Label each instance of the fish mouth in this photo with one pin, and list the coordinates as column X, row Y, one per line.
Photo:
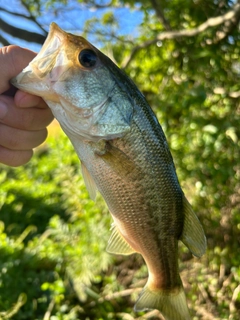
column 49, row 65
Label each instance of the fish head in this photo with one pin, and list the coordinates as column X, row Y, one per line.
column 75, row 80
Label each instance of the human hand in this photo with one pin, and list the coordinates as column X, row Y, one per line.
column 23, row 117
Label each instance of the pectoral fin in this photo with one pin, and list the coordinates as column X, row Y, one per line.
column 193, row 235
column 117, row 244
column 89, row 182
column 118, row 160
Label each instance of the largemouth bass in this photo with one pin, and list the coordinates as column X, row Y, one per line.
column 125, row 156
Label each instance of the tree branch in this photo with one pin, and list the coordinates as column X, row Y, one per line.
column 3, row 40
column 32, row 18
column 232, row 15
column 22, row 34
column 159, row 13
column 14, row 13
column 228, row 26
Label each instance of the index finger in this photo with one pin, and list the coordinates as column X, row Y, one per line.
column 12, row 60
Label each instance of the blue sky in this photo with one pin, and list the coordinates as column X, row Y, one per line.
column 70, row 18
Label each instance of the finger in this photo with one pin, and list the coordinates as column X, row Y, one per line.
column 24, row 119
column 11, row 91
column 16, row 139
column 14, row 158
column 12, row 60
column 26, row 100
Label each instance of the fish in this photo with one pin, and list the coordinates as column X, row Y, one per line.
column 124, row 156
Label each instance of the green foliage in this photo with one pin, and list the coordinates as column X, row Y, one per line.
column 53, row 236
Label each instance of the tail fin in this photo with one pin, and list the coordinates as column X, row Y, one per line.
column 173, row 306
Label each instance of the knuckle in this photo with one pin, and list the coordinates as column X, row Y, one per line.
column 29, row 119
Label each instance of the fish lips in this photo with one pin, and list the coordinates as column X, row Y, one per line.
column 49, row 65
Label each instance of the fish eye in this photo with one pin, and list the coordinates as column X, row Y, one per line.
column 87, row 58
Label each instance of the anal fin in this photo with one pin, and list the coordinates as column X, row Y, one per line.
column 89, row 182
column 193, row 235
column 117, row 244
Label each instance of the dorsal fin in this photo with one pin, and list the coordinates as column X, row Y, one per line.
column 193, row 235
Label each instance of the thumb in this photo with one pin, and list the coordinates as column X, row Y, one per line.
column 12, row 60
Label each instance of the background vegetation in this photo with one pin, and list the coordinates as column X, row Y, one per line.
column 184, row 56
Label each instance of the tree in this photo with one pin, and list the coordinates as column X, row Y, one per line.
column 184, row 56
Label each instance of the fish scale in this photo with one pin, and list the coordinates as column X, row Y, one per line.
column 124, row 156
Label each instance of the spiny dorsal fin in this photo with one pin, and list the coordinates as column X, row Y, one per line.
column 89, row 182
column 193, row 235
column 117, row 244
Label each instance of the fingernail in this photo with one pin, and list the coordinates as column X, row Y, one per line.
column 3, row 109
